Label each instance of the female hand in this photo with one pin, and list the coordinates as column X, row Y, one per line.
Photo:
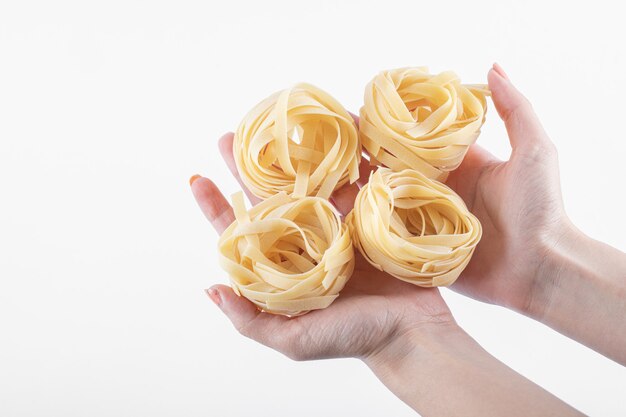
column 531, row 257
column 404, row 333
column 518, row 202
column 371, row 312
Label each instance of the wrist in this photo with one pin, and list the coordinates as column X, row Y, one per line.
column 556, row 251
column 580, row 291
column 410, row 345
column 439, row 369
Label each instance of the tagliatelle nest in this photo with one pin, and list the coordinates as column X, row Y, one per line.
column 414, row 228
column 412, row 119
column 300, row 141
column 287, row 255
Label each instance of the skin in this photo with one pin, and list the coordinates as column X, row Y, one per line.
column 373, row 307
column 407, row 335
column 531, row 258
column 518, row 203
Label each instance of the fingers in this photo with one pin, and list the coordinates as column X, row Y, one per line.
column 225, row 145
column 355, row 117
column 365, row 169
column 344, row 197
column 522, row 124
column 269, row 329
column 212, row 203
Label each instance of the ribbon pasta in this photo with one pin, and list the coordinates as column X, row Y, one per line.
column 414, row 228
column 300, row 141
column 412, row 119
column 287, row 255
column 291, row 253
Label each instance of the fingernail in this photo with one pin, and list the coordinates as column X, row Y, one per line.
column 214, row 295
column 193, row 178
column 498, row 69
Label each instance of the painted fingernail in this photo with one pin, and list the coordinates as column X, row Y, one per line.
column 214, row 295
column 193, row 178
column 498, row 69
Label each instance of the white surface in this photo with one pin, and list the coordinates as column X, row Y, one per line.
column 107, row 109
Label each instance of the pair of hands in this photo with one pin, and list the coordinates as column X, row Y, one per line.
column 517, row 201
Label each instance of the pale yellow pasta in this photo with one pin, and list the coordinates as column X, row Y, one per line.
column 412, row 119
column 300, row 141
column 287, row 255
column 414, row 228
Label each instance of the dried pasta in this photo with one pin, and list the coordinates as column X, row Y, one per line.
column 287, row 255
column 414, row 228
column 412, row 119
column 300, row 141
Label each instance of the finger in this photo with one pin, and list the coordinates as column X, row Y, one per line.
column 355, row 117
column 522, row 124
column 343, row 198
column 212, row 203
column 365, row 169
column 265, row 328
column 498, row 68
column 225, row 145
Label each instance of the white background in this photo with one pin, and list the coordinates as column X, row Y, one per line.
column 107, row 108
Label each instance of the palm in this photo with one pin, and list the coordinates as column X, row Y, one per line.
column 372, row 307
column 516, row 201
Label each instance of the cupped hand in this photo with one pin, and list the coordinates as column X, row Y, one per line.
column 372, row 311
column 518, row 202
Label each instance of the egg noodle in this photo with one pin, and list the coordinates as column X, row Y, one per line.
column 300, row 141
column 287, row 255
column 412, row 119
column 414, row 228
column 291, row 253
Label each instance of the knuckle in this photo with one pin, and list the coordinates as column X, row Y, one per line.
column 540, row 150
column 287, row 340
column 535, row 150
column 551, row 149
column 518, row 110
column 246, row 329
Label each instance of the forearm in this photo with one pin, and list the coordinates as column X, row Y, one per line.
column 443, row 372
column 580, row 291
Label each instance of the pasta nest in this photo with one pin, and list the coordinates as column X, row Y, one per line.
column 286, row 255
column 412, row 119
column 414, row 228
column 300, row 141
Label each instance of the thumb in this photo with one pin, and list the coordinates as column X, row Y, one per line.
column 265, row 328
column 239, row 310
column 526, row 133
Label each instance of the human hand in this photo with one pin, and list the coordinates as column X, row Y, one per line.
column 518, row 202
column 373, row 310
column 404, row 333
